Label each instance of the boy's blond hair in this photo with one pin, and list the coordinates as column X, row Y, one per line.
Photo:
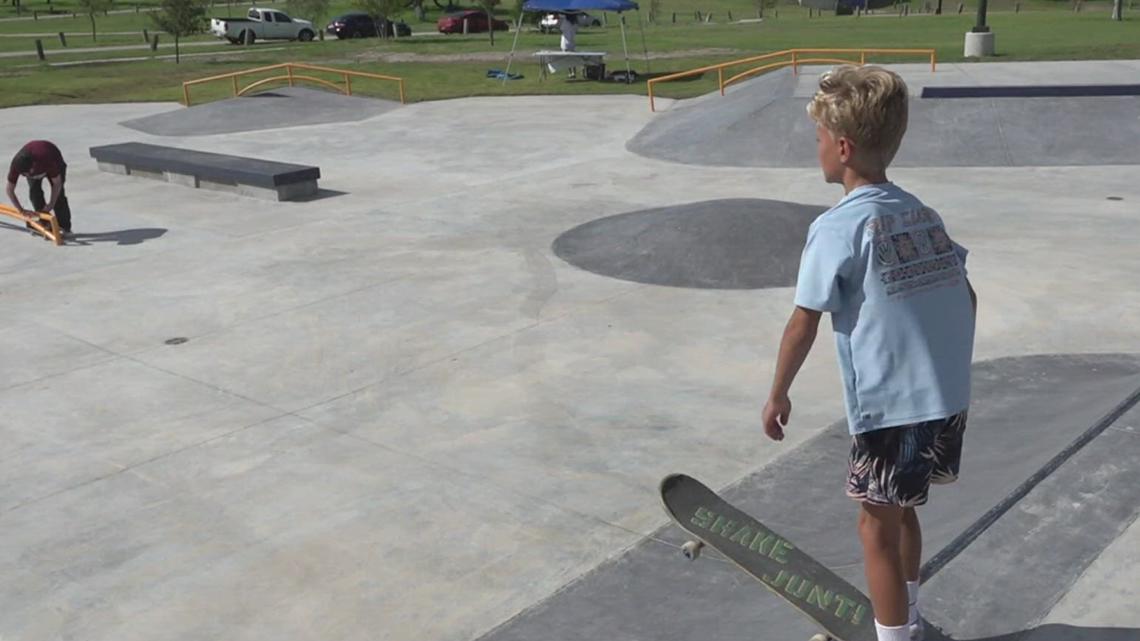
column 867, row 105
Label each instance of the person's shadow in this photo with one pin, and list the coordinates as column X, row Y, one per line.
column 1048, row 632
column 120, row 237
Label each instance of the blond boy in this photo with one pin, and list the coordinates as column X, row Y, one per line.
column 902, row 310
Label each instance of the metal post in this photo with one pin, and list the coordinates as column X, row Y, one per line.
column 289, row 69
column 62, row 39
column 146, row 36
column 235, row 83
column 40, row 49
column 348, row 83
column 510, row 56
column 862, row 57
column 795, row 67
column 625, row 48
column 403, row 98
column 154, row 42
column 465, row 26
column 981, row 27
column 186, row 94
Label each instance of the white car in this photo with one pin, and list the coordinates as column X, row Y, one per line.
column 549, row 22
column 262, row 24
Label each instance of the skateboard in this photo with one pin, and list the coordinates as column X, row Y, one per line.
column 833, row 604
column 46, row 226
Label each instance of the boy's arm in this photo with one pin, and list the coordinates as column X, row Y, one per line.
column 794, row 347
column 56, row 189
column 10, row 191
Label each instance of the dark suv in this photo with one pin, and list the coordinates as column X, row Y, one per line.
column 360, row 25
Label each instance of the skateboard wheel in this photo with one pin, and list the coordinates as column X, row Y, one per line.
column 692, row 549
column 821, row 637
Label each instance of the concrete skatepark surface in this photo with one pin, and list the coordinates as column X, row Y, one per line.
column 276, row 109
column 759, row 124
column 397, row 413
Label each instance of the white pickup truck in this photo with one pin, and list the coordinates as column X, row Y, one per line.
column 262, row 24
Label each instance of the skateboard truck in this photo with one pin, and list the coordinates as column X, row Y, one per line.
column 692, row 549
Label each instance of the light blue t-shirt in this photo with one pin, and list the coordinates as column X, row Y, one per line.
column 883, row 264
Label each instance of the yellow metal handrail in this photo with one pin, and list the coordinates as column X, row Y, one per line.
column 787, row 58
column 291, row 77
column 46, row 225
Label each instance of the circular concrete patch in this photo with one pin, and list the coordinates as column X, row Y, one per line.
column 739, row 243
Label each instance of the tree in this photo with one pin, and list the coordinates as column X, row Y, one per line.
column 381, row 12
column 180, row 18
column 92, row 7
column 1117, row 9
column 314, row 10
column 489, row 8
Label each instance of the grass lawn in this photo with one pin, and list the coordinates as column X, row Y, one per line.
column 1029, row 35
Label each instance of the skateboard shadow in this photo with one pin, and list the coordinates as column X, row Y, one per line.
column 17, row 228
column 120, row 237
column 1049, row 632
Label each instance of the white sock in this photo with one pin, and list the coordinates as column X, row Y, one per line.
column 895, row 633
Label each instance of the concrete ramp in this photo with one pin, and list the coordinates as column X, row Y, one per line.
column 1025, row 410
column 276, row 109
column 763, row 123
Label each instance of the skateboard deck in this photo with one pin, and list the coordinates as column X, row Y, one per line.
column 831, row 602
column 46, row 226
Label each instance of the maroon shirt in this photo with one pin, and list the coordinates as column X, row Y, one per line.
column 47, row 161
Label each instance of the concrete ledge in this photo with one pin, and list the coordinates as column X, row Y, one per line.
column 1032, row 91
column 252, row 177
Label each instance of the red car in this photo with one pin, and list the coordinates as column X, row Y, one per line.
column 476, row 22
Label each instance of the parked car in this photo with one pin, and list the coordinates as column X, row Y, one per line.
column 262, row 24
column 549, row 22
column 361, row 25
column 476, row 22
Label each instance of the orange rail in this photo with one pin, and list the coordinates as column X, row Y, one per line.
column 292, row 77
column 46, row 226
column 787, row 58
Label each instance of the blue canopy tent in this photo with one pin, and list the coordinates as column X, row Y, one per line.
column 561, row 6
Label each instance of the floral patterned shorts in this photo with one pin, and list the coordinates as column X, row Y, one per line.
column 896, row 465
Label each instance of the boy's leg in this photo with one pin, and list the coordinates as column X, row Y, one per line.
column 880, row 530
column 910, row 546
column 63, row 210
column 889, row 474
column 36, row 195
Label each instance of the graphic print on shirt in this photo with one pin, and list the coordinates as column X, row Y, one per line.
column 913, row 252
